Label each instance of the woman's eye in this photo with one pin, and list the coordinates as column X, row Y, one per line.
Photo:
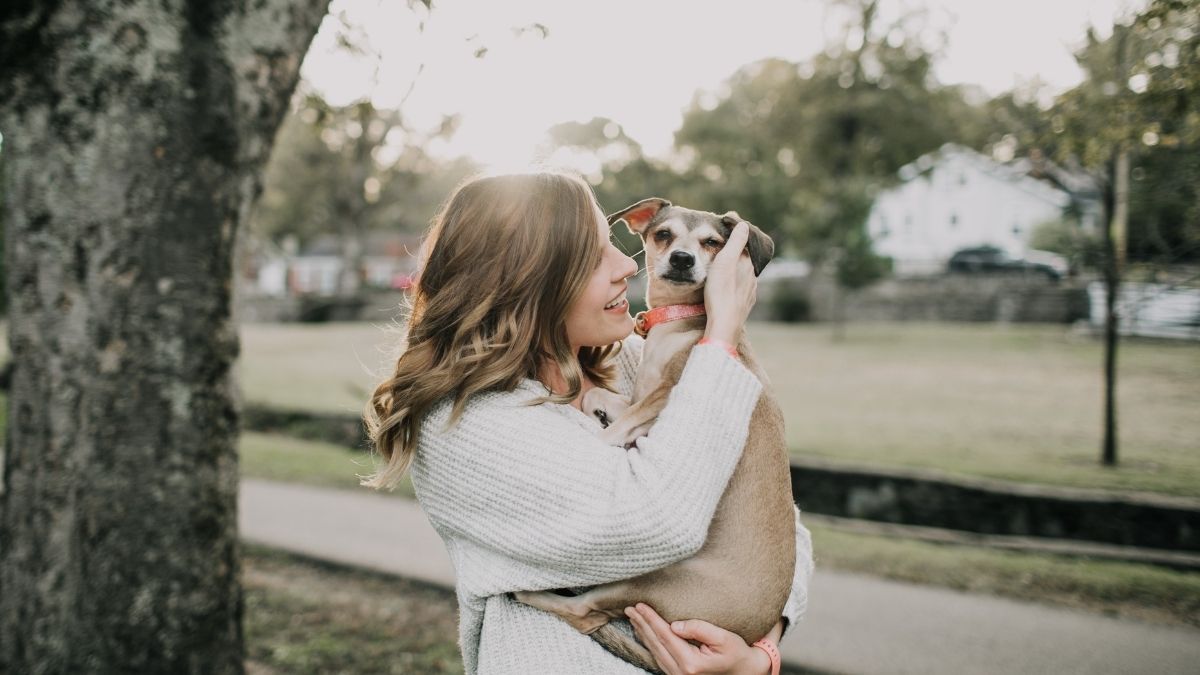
column 662, row 235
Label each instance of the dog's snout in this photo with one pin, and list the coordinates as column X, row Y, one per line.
column 682, row 260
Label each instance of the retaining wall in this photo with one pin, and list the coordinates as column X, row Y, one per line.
column 993, row 507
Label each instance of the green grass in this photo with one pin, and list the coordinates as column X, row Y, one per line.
column 1010, row 402
column 294, row 460
column 323, row 367
column 302, row 617
column 1131, row 590
column 1016, row 402
column 1126, row 589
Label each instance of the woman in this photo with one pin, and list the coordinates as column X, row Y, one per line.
column 517, row 312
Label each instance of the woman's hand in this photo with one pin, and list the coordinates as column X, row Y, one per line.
column 718, row 651
column 731, row 287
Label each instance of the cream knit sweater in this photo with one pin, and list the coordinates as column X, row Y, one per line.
column 527, row 498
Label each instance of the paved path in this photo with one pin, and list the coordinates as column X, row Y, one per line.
column 855, row 624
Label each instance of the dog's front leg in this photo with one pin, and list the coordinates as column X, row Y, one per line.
column 604, row 405
column 637, row 419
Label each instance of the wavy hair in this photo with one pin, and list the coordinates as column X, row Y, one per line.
column 501, row 266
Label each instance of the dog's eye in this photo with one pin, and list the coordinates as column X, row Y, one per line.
column 711, row 242
column 662, row 235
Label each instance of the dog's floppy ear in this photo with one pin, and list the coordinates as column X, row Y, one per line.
column 637, row 215
column 760, row 246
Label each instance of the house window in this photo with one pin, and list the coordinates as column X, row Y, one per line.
column 1016, row 229
column 908, row 222
column 962, row 179
column 953, row 219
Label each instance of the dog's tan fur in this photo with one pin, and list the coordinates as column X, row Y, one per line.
column 741, row 577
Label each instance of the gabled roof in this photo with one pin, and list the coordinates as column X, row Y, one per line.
column 1015, row 173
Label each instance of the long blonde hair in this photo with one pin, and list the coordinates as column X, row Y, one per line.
column 503, row 262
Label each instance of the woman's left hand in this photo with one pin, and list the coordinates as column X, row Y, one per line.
column 718, row 651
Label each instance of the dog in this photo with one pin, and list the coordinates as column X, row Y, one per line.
column 740, row 579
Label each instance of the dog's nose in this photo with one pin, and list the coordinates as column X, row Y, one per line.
column 682, row 260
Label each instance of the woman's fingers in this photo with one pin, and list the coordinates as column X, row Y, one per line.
column 735, row 243
column 651, row 639
column 681, row 652
column 700, row 631
column 731, row 288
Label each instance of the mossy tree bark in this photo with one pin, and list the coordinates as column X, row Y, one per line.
column 134, row 136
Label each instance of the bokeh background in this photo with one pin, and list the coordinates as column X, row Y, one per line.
column 983, row 321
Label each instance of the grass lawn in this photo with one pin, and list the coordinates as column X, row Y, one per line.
column 1011, row 402
column 293, row 460
column 1125, row 589
column 303, row 617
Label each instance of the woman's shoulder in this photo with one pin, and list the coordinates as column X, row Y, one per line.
column 491, row 402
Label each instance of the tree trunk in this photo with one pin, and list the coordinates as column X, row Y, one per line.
column 1114, row 251
column 134, row 137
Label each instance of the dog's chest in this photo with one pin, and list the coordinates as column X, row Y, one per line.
column 660, row 348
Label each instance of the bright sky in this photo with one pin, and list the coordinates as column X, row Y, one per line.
column 640, row 62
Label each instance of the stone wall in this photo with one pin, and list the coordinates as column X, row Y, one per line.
column 955, row 297
column 915, row 497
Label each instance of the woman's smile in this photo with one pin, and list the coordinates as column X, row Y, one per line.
column 618, row 304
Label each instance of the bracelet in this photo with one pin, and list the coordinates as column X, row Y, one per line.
column 772, row 651
column 722, row 344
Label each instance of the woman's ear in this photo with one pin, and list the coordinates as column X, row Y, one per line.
column 638, row 215
column 760, row 246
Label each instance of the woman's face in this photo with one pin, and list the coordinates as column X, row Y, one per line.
column 589, row 324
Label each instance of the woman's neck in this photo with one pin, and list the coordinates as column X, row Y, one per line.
column 550, row 375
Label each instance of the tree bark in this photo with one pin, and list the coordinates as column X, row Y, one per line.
column 134, row 137
column 1117, row 198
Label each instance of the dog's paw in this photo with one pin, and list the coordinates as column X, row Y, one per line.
column 614, row 435
column 602, row 417
column 603, row 405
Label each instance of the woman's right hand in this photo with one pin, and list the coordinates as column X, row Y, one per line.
column 731, row 287
column 697, row 646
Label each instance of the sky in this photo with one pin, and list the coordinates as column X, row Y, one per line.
column 641, row 62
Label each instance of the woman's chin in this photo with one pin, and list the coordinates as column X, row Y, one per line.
column 618, row 329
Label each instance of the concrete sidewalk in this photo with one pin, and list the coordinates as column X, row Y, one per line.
column 855, row 624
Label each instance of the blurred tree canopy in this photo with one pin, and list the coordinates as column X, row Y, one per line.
column 1140, row 97
column 352, row 167
column 800, row 148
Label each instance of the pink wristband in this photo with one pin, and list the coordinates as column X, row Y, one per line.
column 772, row 651
column 722, row 344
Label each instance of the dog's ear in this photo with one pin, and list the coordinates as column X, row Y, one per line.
column 760, row 246
column 638, row 215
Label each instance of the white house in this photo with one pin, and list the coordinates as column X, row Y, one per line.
column 955, row 198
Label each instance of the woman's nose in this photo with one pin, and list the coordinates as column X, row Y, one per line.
column 630, row 268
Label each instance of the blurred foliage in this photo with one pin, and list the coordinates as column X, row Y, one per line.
column 355, row 165
column 801, row 149
column 1080, row 248
column 1141, row 93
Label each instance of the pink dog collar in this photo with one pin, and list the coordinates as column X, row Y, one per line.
column 644, row 321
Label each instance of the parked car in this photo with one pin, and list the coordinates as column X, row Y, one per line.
column 997, row 260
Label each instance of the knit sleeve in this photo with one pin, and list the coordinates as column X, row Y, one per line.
column 797, row 602
column 540, row 502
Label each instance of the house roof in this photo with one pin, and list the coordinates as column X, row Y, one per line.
column 1040, row 180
